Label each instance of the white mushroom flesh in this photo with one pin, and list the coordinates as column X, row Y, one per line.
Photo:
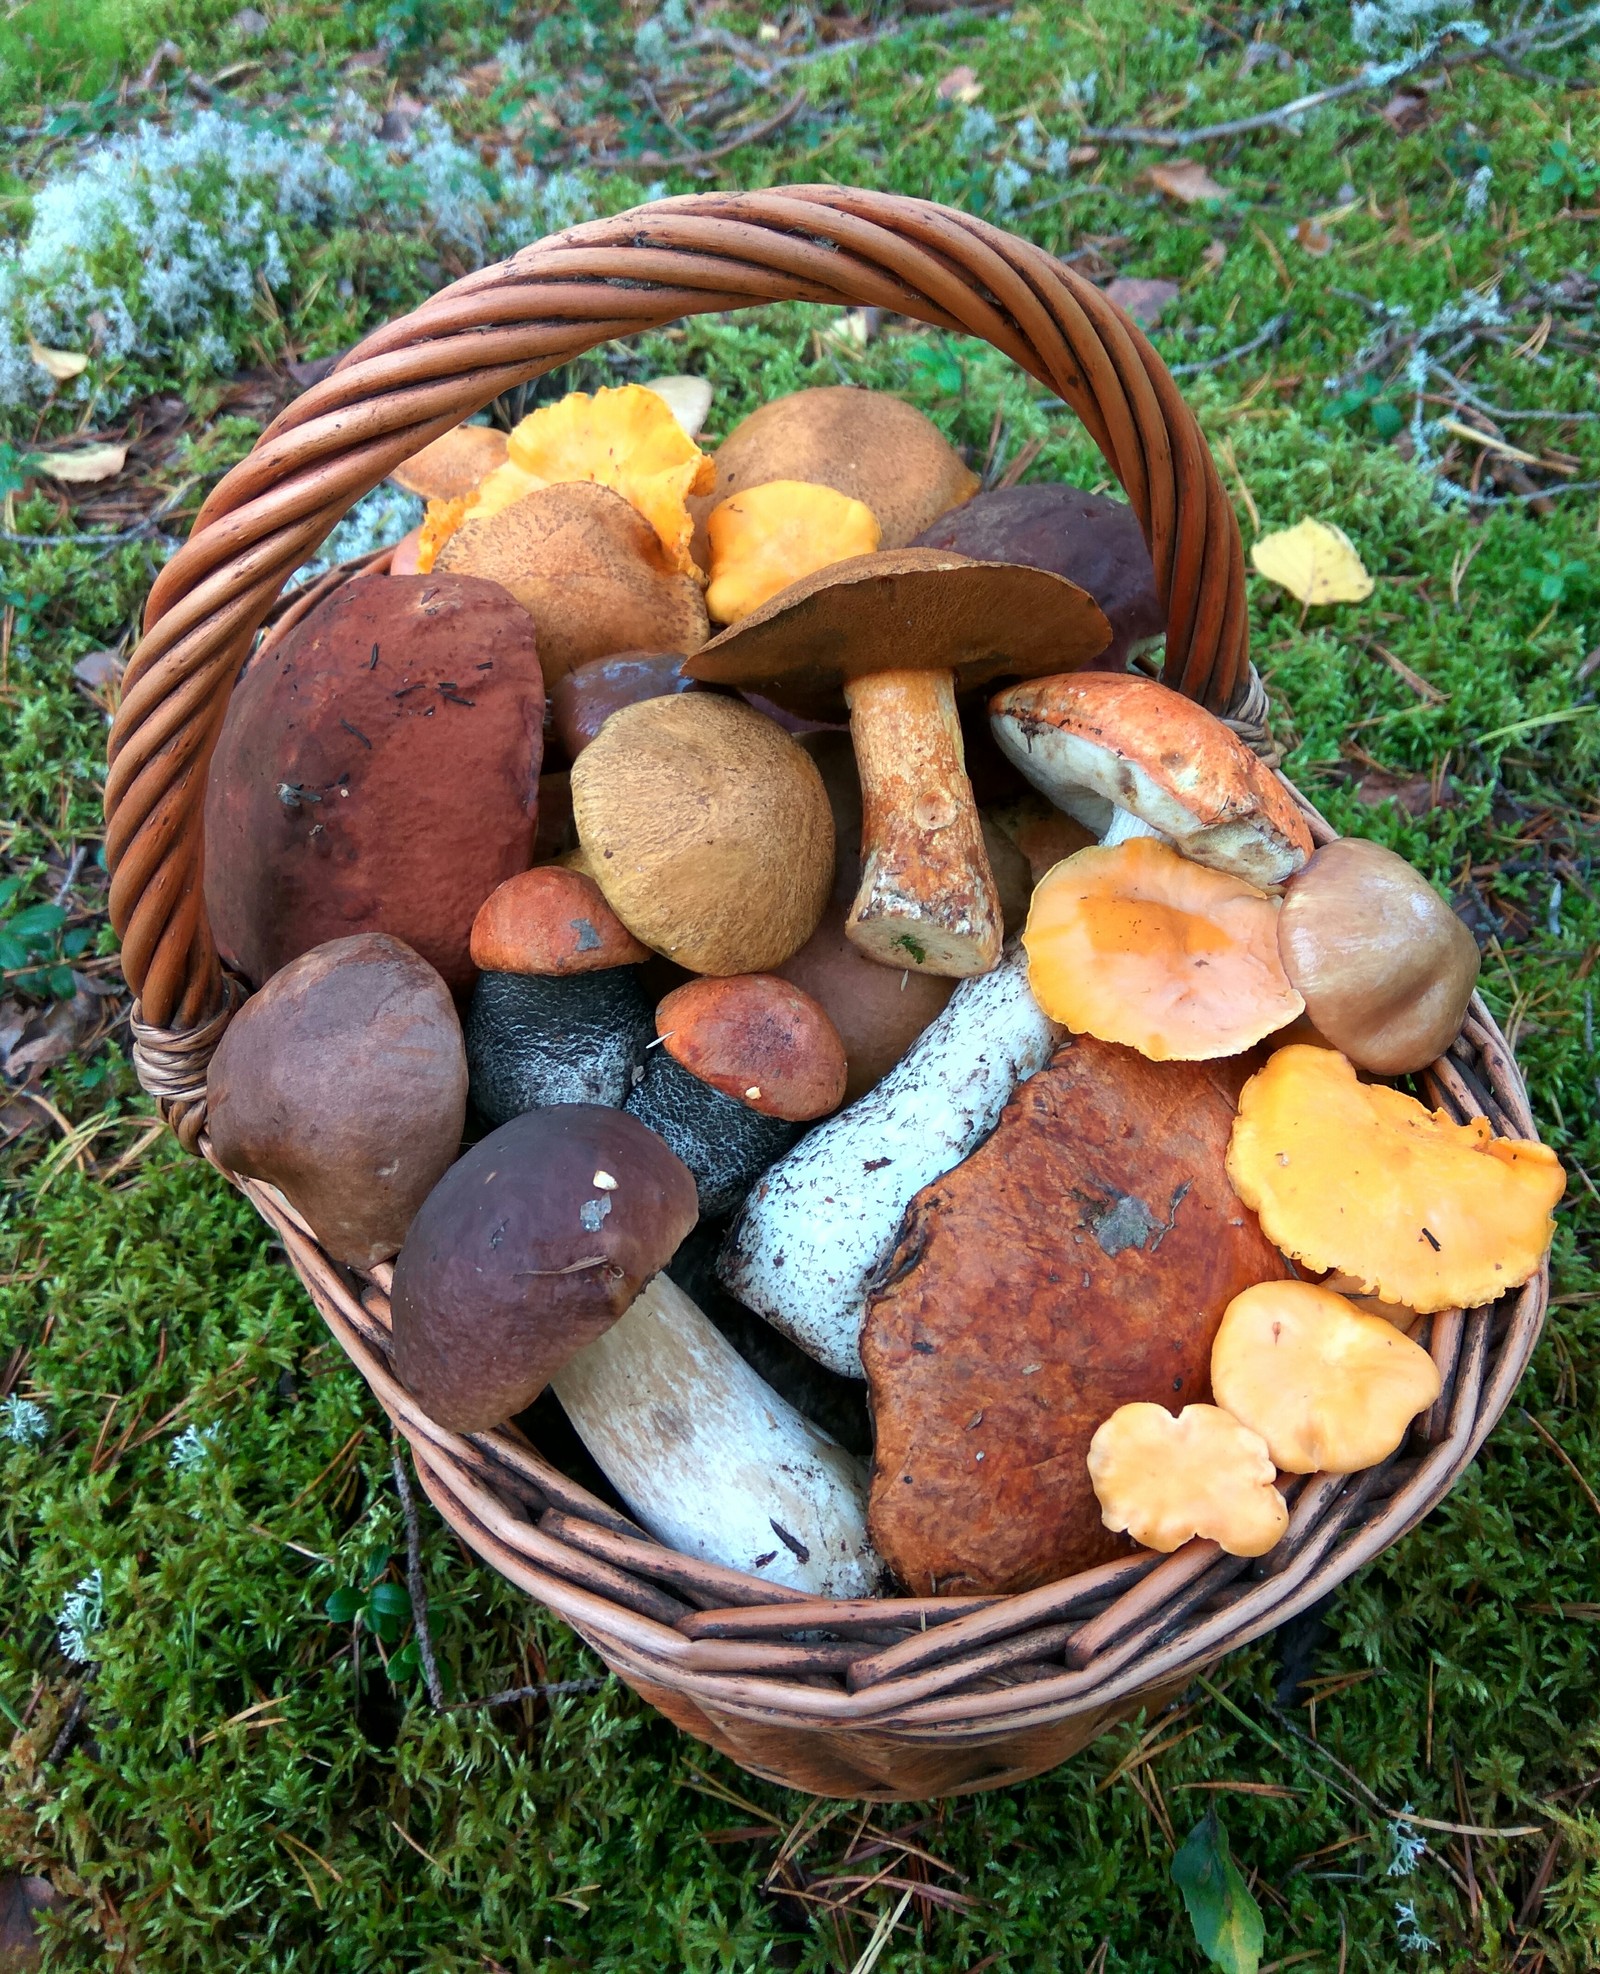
column 820, row 1222
column 710, row 1459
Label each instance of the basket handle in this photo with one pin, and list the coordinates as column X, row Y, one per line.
column 416, row 378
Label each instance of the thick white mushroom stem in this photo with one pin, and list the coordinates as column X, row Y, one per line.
column 927, row 900
column 807, row 1244
column 711, row 1459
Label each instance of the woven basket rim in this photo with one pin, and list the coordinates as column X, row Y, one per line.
column 726, row 1654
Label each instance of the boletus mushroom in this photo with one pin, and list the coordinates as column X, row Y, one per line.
column 452, row 467
column 344, row 1084
column 1092, row 539
column 582, row 700
column 1129, row 757
column 1330, row 1388
column 892, row 638
column 1384, row 966
column 1167, row 1479
column 809, row 1239
column 708, row 829
column 1137, row 945
column 741, row 1064
column 1420, row 1210
column 558, row 1015
column 527, row 1249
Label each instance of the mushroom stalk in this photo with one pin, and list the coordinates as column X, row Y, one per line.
column 709, row 1457
column 1124, row 826
column 805, row 1249
column 927, row 900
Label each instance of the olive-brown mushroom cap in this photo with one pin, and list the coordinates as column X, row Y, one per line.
column 1384, row 966
column 530, row 1247
column 759, row 1039
column 551, row 921
column 708, row 829
column 913, row 609
column 1101, row 738
column 451, row 467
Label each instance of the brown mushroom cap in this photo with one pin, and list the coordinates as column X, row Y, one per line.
column 530, row 1247
column 551, row 920
column 1112, row 738
column 870, row 445
column 708, row 829
column 1091, row 539
column 759, row 1039
column 1384, row 966
column 452, row 466
column 589, row 569
column 582, row 700
column 914, row 609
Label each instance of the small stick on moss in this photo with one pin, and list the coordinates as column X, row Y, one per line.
column 415, row 1586
column 69, row 1727
column 512, row 1694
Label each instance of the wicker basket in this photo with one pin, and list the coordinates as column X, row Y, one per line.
column 899, row 1698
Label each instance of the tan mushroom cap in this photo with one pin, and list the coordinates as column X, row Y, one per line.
column 1384, row 966
column 590, row 571
column 451, row 467
column 552, row 921
column 1166, row 1480
column 1105, row 737
column 759, row 1039
column 911, row 609
column 1328, row 1387
column 708, row 829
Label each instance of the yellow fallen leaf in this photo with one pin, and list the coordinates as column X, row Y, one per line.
column 61, row 364
column 961, row 85
column 1314, row 561
column 82, row 466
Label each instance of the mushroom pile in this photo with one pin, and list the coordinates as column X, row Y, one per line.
column 789, row 845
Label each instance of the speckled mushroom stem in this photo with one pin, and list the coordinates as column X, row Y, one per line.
column 927, row 900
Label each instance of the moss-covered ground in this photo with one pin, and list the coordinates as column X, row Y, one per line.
column 211, row 1770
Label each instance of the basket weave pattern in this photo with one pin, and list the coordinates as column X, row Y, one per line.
column 893, row 1698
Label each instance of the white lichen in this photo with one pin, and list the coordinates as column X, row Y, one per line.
column 23, row 1422
column 192, row 1448
column 81, row 1617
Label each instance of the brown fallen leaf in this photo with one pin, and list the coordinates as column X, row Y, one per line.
column 21, row 1898
column 1145, row 301
column 1313, row 239
column 1413, row 793
column 83, row 466
column 53, row 1033
column 1189, row 182
column 1216, row 252
column 98, row 670
column 961, row 85
column 1082, row 154
column 59, row 364
column 1405, row 111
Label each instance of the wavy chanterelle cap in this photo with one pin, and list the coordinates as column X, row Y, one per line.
column 1166, row 1479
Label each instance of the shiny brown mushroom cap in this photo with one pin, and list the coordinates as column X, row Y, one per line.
column 759, row 1039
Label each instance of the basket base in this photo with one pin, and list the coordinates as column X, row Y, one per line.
column 882, row 1766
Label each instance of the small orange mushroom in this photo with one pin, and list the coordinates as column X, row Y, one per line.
column 1167, row 1479
column 771, row 536
column 1416, row 1208
column 1328, row 1387
column 1135, row 944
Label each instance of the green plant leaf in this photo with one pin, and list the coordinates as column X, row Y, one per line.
column 343, row 1605
column 37, row 923
column 1386, row 420
column 388, row 1600
column 12, row 952
column 1226, row 1919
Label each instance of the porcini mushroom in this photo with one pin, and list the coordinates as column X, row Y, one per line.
column 1384, row 966
column 590, row 571
column 1137, row 945
column 892, row 637
column 772, row 535
column 711, row 1460
column 1329, row 1388
column 527, row 1249
column 1092, row 539
column 1355, row 1176
column 741, row 1064
column 582, row 700
column 1166, row 1480
column 1129, row 757
column 870, row 445
column 558, row 1015
column 708, row 830
column 805, row 1246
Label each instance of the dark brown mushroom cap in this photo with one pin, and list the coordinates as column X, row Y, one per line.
column 1091, row 539
column 759, row 1039
column 582, row 700
column 530, row 1247
column 551, row 920
column 913, row 609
